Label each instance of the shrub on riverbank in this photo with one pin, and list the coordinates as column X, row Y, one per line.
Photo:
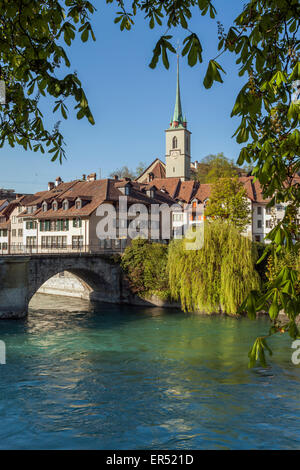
column 145, row 266
column 219, row 276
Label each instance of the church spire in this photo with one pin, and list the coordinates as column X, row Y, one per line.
column 178, row 120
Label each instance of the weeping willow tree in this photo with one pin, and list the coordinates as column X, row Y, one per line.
column 217, row 277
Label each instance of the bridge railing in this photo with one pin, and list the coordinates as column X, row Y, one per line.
column 108, row 247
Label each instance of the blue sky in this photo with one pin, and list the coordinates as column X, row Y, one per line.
column 132, row 104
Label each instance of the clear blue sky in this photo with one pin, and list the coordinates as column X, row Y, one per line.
column 132, row 104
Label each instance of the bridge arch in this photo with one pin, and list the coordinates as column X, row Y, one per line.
column 99, row 274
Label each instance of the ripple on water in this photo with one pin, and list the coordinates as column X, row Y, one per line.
column 116, row 377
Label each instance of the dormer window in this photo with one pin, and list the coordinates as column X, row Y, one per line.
column 174, row 143
column 127, row 190
column 65, row 205
column 150, row 192
column 45, row 206
column 55, row 206
column 78, row 204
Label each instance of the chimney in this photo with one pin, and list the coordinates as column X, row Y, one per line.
column 116, row 177
column 92, row 177
column 58, row 181
column 50, row 185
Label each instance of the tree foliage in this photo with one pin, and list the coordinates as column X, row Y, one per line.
column 213, row 167
column 33, row 36
column 228, row 201
column 217, row 277
column 145, row 264
column 125, row 172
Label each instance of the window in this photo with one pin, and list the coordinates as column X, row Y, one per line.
column 178, row 217
column 3, row 233
column 174, row 143
column 77, row 241
column 173, row 169
column 20, row 208
column 45, row 206
column 78, row 204
column 77, row 222
column 54, row 206
column 14, row 219
column 54, row 242
column 259, row 210
column 127, row 190
column 4, row 246
column 30, row 224
column 13, row 233
column 65, row 205
column 259, row 225
column 20, row 232
column 187, row 143
column 257, row 238
column 20, row 220
column 194, row 204
column 268, row 210
column 31, row 241
column 269, row 223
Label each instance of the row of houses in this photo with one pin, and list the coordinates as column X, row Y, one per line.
column 66, row 215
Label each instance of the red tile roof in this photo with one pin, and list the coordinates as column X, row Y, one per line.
column 157, row 168
column 92, row 194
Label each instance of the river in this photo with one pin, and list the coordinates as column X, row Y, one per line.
column 120, row 377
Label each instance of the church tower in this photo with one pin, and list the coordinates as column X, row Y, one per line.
column 178, row 141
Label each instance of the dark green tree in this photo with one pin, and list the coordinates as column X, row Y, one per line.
column 145, row 264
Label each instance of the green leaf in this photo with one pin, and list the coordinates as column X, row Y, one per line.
column 274, row 310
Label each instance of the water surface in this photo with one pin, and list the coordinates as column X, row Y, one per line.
column 132, row 378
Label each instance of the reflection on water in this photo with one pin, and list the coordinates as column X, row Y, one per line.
column 120, row 377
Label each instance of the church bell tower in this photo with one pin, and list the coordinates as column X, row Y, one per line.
column 178, row 141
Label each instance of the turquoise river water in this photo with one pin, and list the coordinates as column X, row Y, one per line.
column 118, row 377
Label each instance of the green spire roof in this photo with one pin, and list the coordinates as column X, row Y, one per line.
column 177, row 116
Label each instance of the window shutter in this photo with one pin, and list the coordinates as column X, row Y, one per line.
column 41, row 226
column 67, row 224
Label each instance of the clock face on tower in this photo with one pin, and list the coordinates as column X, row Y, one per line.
column 175, row 153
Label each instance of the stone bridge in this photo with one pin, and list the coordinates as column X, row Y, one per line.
column 22, row 276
